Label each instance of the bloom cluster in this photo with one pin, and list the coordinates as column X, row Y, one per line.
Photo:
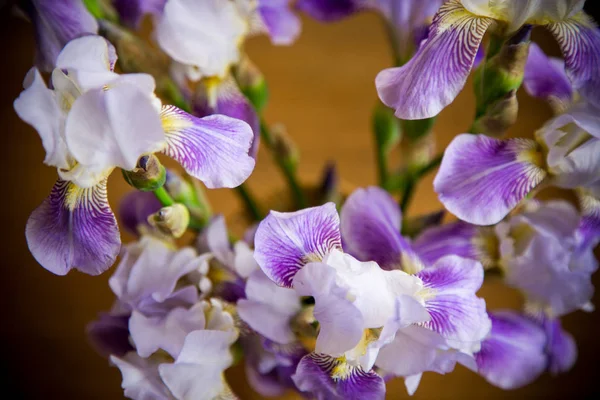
column 340, row 293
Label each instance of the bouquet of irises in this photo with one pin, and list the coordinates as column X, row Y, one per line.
column 339, row 293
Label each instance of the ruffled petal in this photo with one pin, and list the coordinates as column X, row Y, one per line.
column 281, row 23
column 197, row 371
column 513, row 355
column 74, row 228
column 482, row 179
column 140, row 377
column 56, row 23
column 370, row 223
column 213, row 149
column 38, row 106
column 456, row 238
column 329, row 378
column 456, row 312
column 328, row 10
column 285, row 242
column 545, row 77
column 579, row 40
column 438, row 71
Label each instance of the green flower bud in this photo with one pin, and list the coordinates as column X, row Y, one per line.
column 252, row 83
column 148, row 175
column 172, row 221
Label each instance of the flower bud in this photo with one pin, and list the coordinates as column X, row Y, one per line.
column 172, row 220
column 148, row 175
column 284, row 147
column 190, row 193
column 252, row 83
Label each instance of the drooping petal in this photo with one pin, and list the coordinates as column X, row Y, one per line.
column 456, row 238
column 89, row 61
column 560, row 348
column 456, row 312
column 168, row 332
column 280, row 22
column 132, row 12
column 203, row 34
column 38, row 106
column 109, row 334
column 482, row 179
column 370, row 224
column 135, row 209
column 269, row 308
column 213, row 149
column 197, row 371
column 545, row 77
column 438, row 71
column 74, row 228
column 140, row 377
column 579, row 40
column 112, row 128
column 513, row 355
column 55, row 24
column 329, row 10
column 230, row 101
column 341, row 323
column 285, row 242
column 326, row 377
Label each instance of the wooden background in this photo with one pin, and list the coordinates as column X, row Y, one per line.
column 322, row 88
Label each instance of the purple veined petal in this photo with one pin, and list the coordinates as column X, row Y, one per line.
column 329, row 10
column 545, row 77
column 281, row 23
column 268, row 308
column 135, row 209
column 456, row 312
column 325, row 377
column 341, row 323
column 55, row 24
column 213, row 149
column 132, row 12
column 455, row 238
column 74, row 228
column 197, row 371
column 482, row 179
column 579, row 40
column 230, row 101
column 560, row 347
column 438, row 71
column 140, row 377
column 285, row 242
column 370, row 224
column 513, row 355
column 109, row 334
column 168, row 332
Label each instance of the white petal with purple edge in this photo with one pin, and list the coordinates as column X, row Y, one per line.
column 285, row 242
column 197, row 371
column 140, row 377
column 74, row 228
column 370, row 224
column 438, row 71
column 482, row 179
column 328, row 378
column 213, row 149
column 513, row 355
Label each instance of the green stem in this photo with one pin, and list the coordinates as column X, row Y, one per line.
column 285, row 164
column 249, row 202
column 414, row 177
column 163, row 196
column 382, row 169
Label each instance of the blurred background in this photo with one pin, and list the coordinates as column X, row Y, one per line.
column 322, row 89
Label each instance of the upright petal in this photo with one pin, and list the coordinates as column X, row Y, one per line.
column 55, row 24
column 482, row 179
column 438, row 71
column 370, row 223
column 197, row 371
column 140, row 377
column 38, row 106
column 213, row 149
column 280, row 22
column 456, row 238
column 456, row 312
column 330, row 10
column 513, row 355
column 285, row 242
column 579, row 40
column 325, row 377
column 132, row 12
column 545, row 77
column 74, row 228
